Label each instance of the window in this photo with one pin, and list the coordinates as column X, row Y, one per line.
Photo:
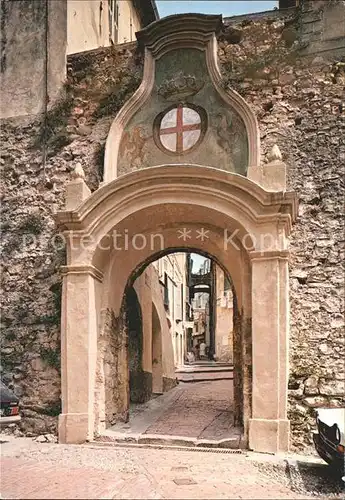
column 166, row 291
column 179, row 129
column 113, row 20
column 179, row 302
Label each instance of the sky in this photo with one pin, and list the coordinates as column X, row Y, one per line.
column 225, row 7
column 198, row 260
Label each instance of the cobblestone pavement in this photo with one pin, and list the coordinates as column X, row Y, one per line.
column 201, row 410
column 31, row 470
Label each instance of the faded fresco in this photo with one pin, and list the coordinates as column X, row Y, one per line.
column 184, row 121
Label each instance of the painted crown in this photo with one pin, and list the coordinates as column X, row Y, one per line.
column 179, row 87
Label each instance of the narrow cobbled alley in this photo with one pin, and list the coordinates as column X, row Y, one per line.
column 194, row 412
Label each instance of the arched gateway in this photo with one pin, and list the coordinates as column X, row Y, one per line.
column 201, row 197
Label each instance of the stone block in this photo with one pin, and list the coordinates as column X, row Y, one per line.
column 169, row 383
column 76, row 192
column 284, row 435
column 334, row 21
column 311, row 386
column 274, row 176
column 73, row 427
column 332, row 387
column 271, row 176
column 264, row 435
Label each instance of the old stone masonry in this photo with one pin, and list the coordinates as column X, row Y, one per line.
column 143, row 127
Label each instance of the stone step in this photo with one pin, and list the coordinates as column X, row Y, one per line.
column 204, row 370
column 204, row 377
column 207, row 362
column 235, row 442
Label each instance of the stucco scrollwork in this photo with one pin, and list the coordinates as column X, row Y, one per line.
column 181, row 68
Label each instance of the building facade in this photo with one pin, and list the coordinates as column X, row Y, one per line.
column 92, row 24
column 224, row 318
column 221, row 329
column 172, row 272
column 37, row 36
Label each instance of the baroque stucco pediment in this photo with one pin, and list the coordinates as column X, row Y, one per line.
column 181, row 114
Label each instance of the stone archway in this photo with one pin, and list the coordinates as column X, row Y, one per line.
column 180, row 111
column 248, row 230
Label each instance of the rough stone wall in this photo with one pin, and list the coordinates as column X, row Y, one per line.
column 37, row 158
column 111, row 395
column 299, row 106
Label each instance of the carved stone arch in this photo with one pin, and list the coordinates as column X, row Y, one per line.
column 158, row 199
column 129, row 144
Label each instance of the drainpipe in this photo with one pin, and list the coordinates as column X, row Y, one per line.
column 155, row 10
column 46, row 95
column 212, row 307
column 100, row 22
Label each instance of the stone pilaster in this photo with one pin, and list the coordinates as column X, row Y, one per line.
column 284, row 335
column 269, row 428
column 78, row 354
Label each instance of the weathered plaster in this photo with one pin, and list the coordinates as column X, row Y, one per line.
column 33, row 55
column 189, row 45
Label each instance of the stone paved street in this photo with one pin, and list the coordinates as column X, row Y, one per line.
column 31, row 470
column 199, row 410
